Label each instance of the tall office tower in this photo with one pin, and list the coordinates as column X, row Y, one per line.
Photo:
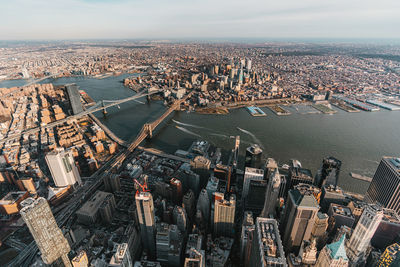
column 390, row 257
column 299, row 175
column 320, row 224
column 240, row 76
column 333, row 255
column 176, row 186
column 180, row 218
column 364, row 231
column 246, row 237
column 50, row 240
column 145, row 212
column 385, row 185
column 253, row 156
column 203, row 204
column 270, row 167
column 271, row 194
column 62, row 167
column 188, row 203
column 121, row 257
column 251, row 174
column 224, row 216
column 299, row 219
column 329, row 172
column 248, row 65
column 267, row 247
column 196, row 258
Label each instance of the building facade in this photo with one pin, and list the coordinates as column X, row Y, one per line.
column 50, row 240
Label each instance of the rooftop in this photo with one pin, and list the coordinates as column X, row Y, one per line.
column 338, row 249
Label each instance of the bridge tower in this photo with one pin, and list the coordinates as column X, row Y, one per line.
column 147, row 128
column 104, row 110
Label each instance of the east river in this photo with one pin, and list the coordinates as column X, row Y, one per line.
column 359, row 140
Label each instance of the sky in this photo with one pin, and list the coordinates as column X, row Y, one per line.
column 198, row 19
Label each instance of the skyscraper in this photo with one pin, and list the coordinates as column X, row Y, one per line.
column 145, row 210
column 329, row 172
column 299, row 219
column 203, row 204
column 267, row 247
column 253, row 156
column 121, row 257
column 333, row 254
column 62, row 167
column 246, row 237
column 272, row 194
column 364, row 231
column 249, row 175
column 50, row 240
column 390, row 257
column 224, row 216
column 385, row 185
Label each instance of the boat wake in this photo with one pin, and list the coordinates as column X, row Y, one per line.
column 255, row 139
column 188, row 125
column 187, row 131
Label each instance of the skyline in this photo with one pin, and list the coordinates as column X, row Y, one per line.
column 177, row 19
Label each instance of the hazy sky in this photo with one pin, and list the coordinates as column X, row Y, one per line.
column 87, row 19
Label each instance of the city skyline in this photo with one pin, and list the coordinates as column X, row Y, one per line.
column 123, row 19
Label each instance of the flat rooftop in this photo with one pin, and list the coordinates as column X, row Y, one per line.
column 92, row 205
column 12, row 197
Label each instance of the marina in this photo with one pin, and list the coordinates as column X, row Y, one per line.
column 256, row 111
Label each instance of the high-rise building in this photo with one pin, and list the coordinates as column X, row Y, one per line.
column 385, row 185
column 253, row 156
column 246, row 237
column 329, row 172
column 299, row 175
column 272, row 194
column 62, row 167
column 50, row 240
column 80, row 260
column 333, row 255
column 267, row 247
column 320, row 224
column 196, row 259
column 251, row 174
column 388, row 231
column 203, row 204
column 176, row 186
column 224, row 216
column 188, row 203
column 298, row 222
column 180, row 218
column 121, row 257
column 145, row 212
column 390, row 257
column 364, row 231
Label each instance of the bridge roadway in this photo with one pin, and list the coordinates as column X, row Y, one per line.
column 91, row 110
column 83, row 193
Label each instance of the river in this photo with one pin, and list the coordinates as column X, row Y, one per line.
column 359, row 140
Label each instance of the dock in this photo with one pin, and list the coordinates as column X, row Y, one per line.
column 383, row 105
column 360, row 177
column 359, row 104
column 278, row 110
column 256, row 111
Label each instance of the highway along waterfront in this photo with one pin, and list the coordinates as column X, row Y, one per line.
column 359, row 139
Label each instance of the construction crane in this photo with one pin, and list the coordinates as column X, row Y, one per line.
column 141, row 187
